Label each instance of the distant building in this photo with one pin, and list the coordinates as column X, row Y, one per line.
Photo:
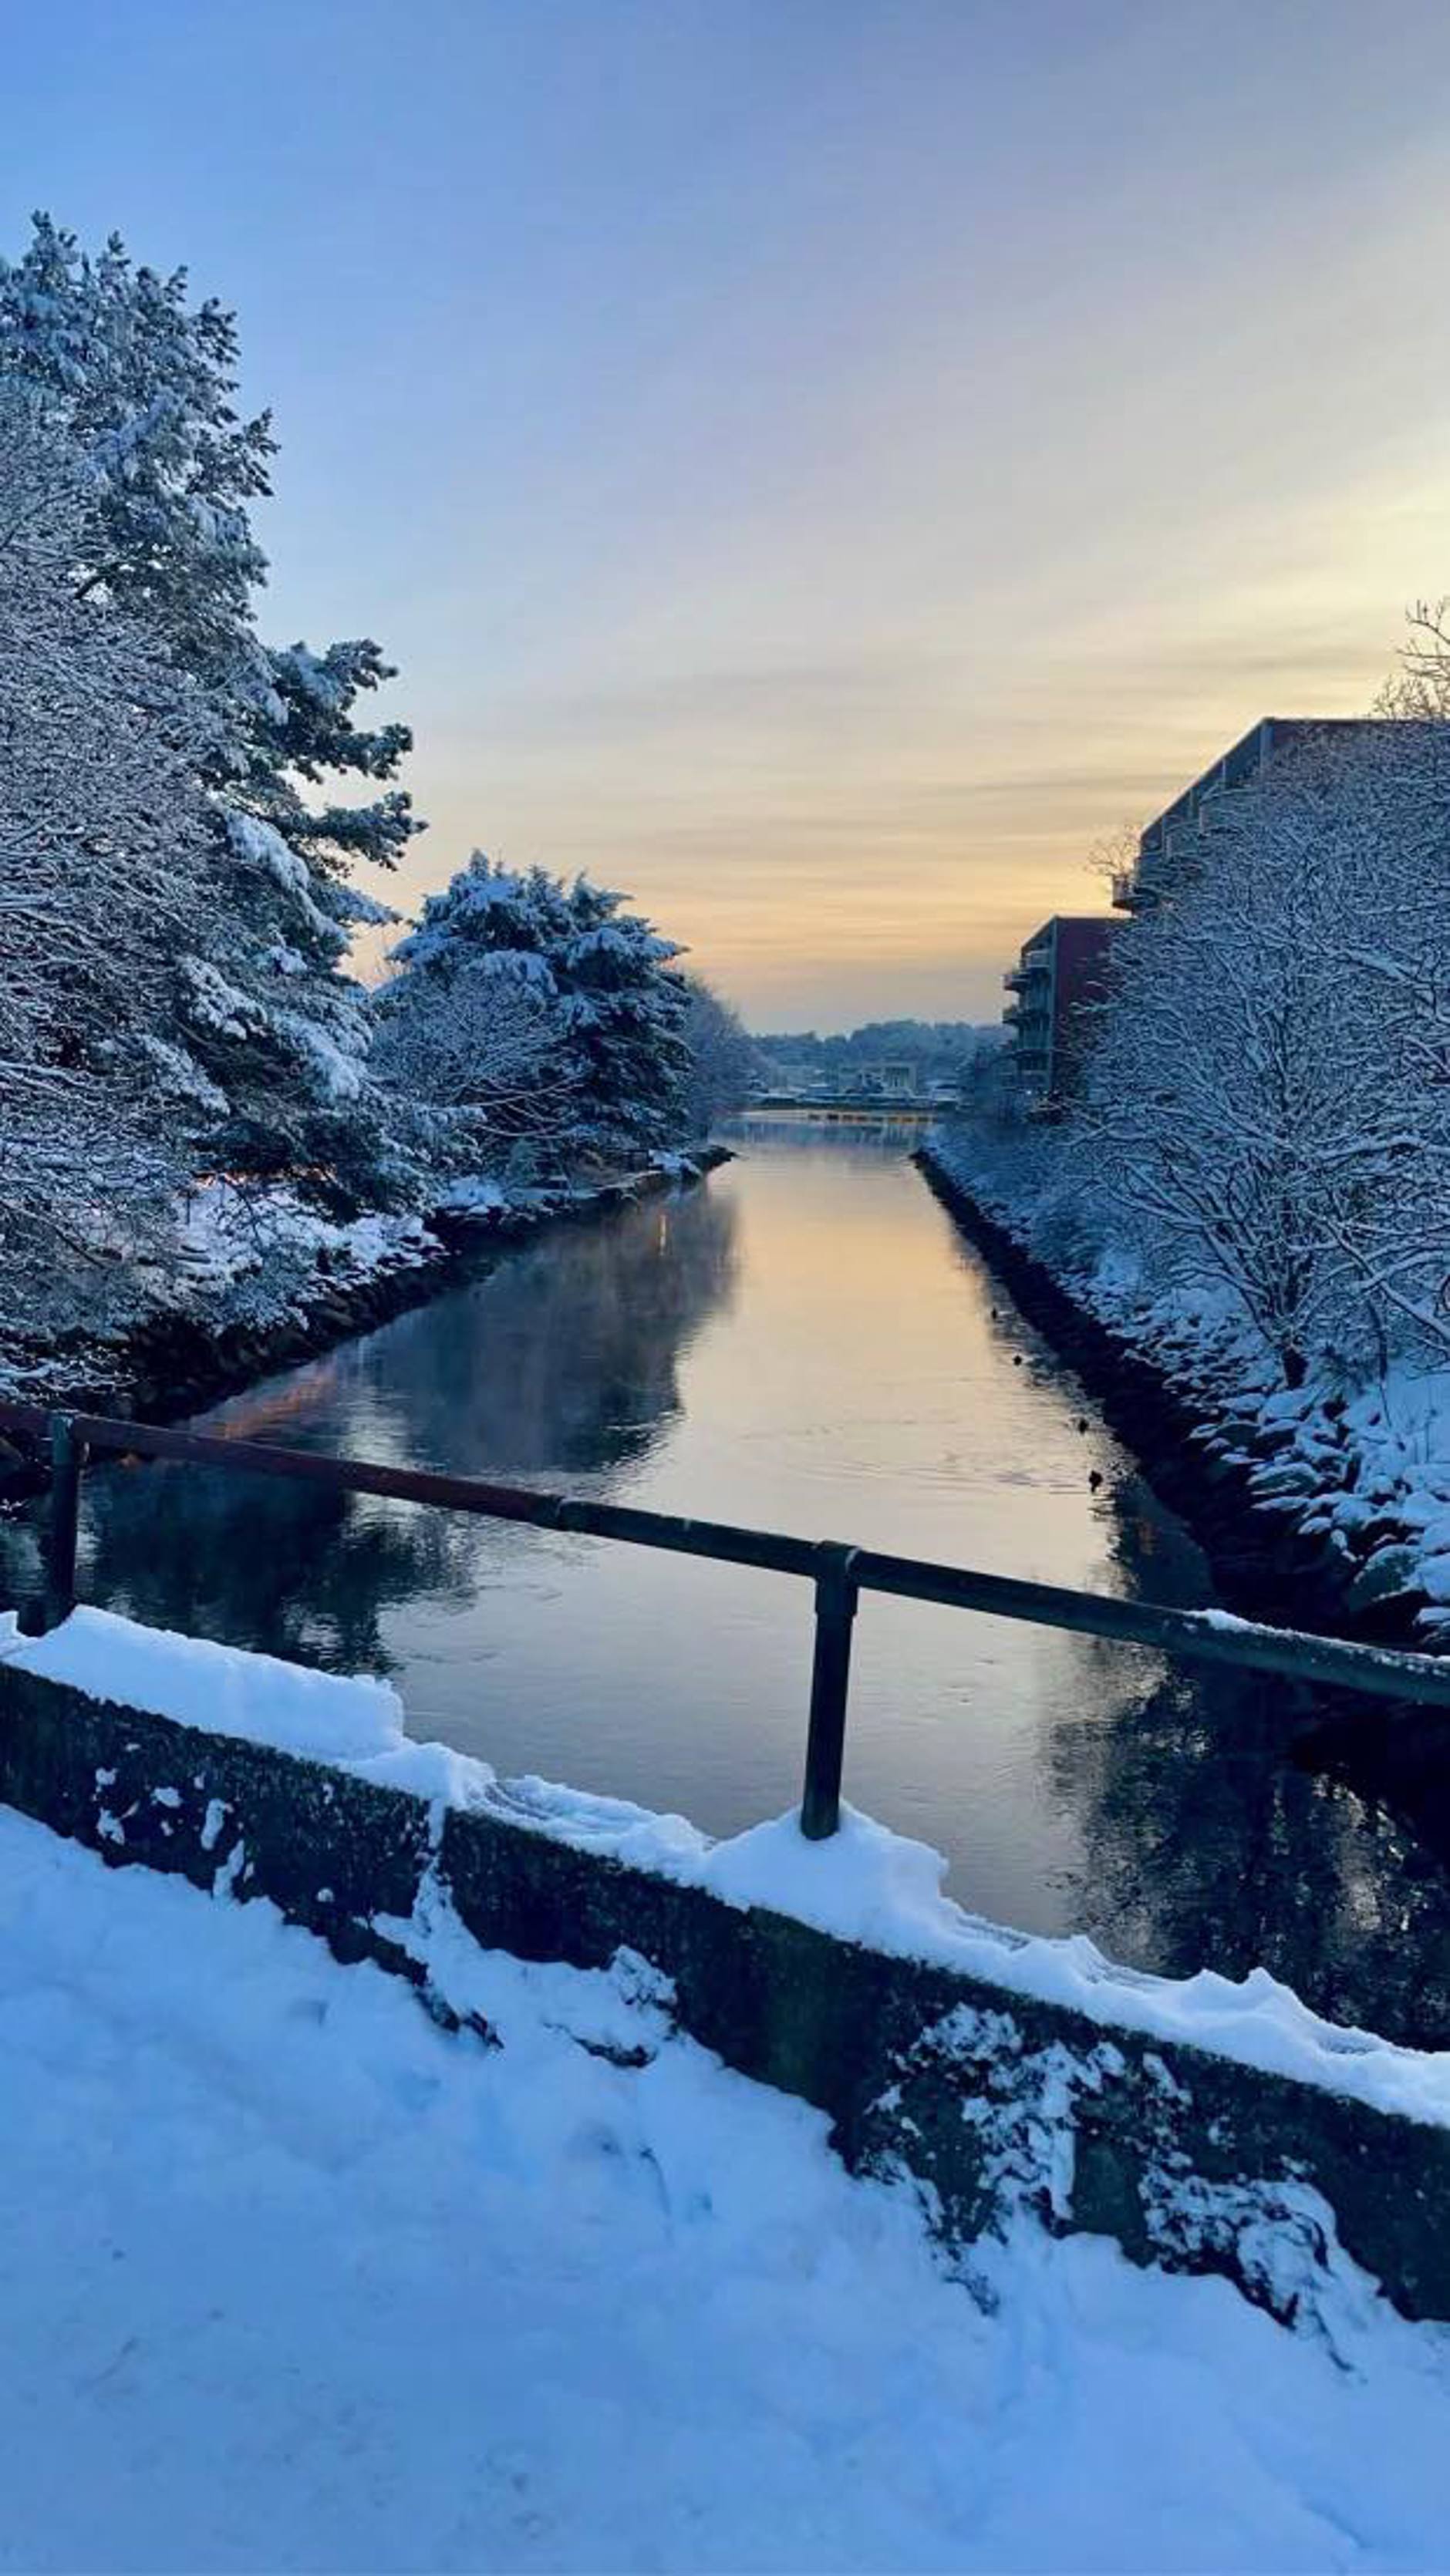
column 790, row 1077
column 1062, row 971
column 1060, row 974
column 892, row 1079
column 1167, row 845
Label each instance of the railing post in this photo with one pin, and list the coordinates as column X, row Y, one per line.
column 67, row 1457
column 836, row 1597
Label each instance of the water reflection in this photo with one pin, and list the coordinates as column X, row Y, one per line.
column 807, row 1344
column 564, row 1361
column 1212, row 1836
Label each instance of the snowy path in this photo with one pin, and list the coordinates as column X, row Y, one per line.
column 290, row 2279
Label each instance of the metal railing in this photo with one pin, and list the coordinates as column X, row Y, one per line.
column 838, row 1572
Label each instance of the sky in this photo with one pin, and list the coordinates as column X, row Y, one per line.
column 822, row 465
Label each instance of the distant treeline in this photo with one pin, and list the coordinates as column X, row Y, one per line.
column 938, row 1049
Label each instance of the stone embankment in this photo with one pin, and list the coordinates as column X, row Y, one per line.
column 176, row 1364
column 1241, row 1491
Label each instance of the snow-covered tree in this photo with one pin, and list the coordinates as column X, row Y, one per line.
column 722, row 1058
column 472, row 1057
column 145, row 381
column 623, row 1005
column 281, row 1032
column 1269, row 1099
column 106, row 850
column 593, row 984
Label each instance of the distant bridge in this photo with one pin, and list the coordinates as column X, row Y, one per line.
column 853, row 1104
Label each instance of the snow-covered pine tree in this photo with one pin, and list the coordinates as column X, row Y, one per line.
column 566, row 972
column 106, row 876
column 624, row 1006
column 281, row 1033
column 146, row 383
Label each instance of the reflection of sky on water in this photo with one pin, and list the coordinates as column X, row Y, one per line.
column 807, row 1345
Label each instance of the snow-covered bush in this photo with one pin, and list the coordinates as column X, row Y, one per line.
column 1263, row 1134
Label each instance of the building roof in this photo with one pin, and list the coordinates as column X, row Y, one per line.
column 1244, row 759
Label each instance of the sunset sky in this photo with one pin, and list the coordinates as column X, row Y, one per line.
column 819, row 465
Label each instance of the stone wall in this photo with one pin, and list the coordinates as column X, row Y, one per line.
column 994, row 2103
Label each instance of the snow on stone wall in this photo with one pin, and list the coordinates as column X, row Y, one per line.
column 866, row 1884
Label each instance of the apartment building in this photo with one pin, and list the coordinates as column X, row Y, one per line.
column 1059, row 975
column 1167, row 845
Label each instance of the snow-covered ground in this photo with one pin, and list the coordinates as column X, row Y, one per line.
column 255, row 1261
column 229, row 1235
column 293, row 2279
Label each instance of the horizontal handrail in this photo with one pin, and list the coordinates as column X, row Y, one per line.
column 735, row 1546
column 839, row 1572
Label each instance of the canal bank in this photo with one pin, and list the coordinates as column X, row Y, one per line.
column 1220, row 1481
column 176, row 1362
column 1241, row 1484
column 805, row 1344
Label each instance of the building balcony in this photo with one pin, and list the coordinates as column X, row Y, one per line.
column 1133, row 891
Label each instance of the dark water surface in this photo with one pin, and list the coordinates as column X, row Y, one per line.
column 806, row 1344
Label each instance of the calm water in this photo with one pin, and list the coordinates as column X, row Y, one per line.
column 807, row 1344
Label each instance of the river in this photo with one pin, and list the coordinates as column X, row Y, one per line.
column 805, row 1343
